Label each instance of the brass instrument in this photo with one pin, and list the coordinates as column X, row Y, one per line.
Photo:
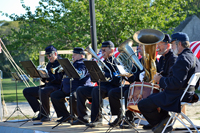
column 149, row 38
column 60, row 69
column 127, row 56
column 99, row 61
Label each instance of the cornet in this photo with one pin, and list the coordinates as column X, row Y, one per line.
column 60, row 69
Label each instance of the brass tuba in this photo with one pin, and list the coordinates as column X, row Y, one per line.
column 149, row 38
column 127, row 56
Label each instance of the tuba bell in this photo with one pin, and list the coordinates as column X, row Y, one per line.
column 127, row 56
column 149, row 38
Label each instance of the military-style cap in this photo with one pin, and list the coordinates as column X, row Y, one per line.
column 79, row 50
column 180, row 36
column 50, row 49
column 167, row 38
column 108, row 44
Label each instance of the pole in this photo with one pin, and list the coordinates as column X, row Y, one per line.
column 93, row 26
column 1, row 112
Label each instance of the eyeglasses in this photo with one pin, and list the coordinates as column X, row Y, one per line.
column 103, row 50
column 48, row 55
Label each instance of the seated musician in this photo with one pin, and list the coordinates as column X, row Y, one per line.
column 114, row 95
column 155, row 107
column 42, row 93
column 58, row 97
column 166, row 61
column 84, row 92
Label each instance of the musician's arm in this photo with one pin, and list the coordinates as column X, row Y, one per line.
column 54, row 78
column 179, row 77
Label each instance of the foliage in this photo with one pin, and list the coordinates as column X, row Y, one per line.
column 192, row 8
column 5, row 30
column 66, row 24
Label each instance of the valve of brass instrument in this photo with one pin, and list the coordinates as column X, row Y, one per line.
column 60, row 69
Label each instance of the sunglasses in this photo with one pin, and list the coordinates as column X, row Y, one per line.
column 103, row 50
column 48, row 55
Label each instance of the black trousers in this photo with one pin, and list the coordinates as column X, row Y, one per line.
column 114, row 96
column 150, row 111
column 32, row 96
column 58, row 101
column 87, row 92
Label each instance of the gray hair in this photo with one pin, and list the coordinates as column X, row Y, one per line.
column 185, row 44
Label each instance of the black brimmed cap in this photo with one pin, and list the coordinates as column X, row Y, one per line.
column 50, row 49
column 109, row 44
column 79, row 50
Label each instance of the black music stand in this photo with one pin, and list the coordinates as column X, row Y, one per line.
column 34, row 73
column 122, row 115
column 96, row 76
column 71, row 72
column 16, row 77
column 32, row 70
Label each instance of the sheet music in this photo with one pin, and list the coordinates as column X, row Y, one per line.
column 121, row 70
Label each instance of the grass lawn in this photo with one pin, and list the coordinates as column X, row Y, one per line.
column 9, row 90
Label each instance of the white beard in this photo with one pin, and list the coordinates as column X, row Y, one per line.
column 175, row 51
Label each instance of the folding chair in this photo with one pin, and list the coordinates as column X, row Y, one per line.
column 178, row 116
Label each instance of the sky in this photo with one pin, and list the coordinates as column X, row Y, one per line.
column 14, row 6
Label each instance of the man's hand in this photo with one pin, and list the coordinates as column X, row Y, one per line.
column 157, row 77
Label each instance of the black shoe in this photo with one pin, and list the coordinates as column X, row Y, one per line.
column 39, row 117
column 116, row 122
column 95, row 123
column 64, row 119
column 161, row 125
column 79, row 122
column 127, row 125
column 45, row 119
column 147, row 127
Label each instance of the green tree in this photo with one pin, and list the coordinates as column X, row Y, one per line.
column 66, row 24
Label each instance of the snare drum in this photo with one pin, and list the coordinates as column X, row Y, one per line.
column 139, row 91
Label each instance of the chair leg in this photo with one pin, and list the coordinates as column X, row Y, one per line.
column 181, row 121
column 168, row 122
column 140, row 117
column 190, row 122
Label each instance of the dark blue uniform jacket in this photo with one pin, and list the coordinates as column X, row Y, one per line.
column 54, row 79
column 86, row 81
column 176, row 82
column 115, row 81
column 165, row 63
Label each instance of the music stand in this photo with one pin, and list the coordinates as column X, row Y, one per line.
column 32, row 70
column 16, row 77
column 96, row 76
column 122, row 115
column 71, row 72
column 34, row 73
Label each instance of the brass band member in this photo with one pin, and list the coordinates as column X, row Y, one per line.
column 114, row 95
column 166, row 61
column 173, row 85
column 84, row 92
column 58, row 97
column 42, row 93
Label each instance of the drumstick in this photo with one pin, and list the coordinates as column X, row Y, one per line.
column 158, row 74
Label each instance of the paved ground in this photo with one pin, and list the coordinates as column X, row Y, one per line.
column 7, row 127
